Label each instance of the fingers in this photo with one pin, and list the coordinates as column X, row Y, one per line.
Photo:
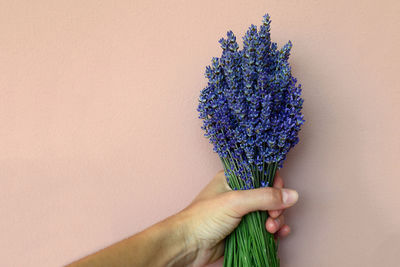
column 215, row 187
column 278, row 183
column 284, row 231
column 277, row 226
column 273, row 225
column 219, row 183
column 266, row 198
column 275, row 213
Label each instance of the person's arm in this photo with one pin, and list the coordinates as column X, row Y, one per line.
column 162, row 244
column 195, row 236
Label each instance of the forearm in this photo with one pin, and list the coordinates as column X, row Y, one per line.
column 163, row 244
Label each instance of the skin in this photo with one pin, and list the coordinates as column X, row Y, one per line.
column 195, row 236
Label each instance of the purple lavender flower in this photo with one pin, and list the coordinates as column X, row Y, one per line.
column 251, row 106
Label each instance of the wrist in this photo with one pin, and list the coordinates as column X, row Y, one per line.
column 179, row 246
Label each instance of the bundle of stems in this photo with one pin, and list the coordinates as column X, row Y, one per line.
column 250, row 244
column 251, row 112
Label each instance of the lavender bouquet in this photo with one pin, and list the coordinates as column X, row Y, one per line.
column 251, row 112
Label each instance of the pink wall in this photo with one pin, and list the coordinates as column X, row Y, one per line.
column 99, row 134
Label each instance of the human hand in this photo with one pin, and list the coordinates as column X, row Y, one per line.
column 195, row 236
column 218, row 210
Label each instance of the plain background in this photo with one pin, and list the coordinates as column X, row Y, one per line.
column 100, row 136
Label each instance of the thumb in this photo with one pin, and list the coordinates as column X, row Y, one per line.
column 265, row 198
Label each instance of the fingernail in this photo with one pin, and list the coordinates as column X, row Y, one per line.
column 277, row 221
column 289, row 196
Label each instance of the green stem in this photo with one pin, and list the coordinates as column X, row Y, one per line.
column 250, row 244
